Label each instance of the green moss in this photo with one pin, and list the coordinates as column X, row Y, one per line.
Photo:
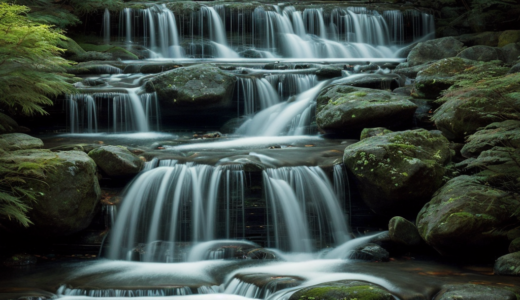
column 343, row 292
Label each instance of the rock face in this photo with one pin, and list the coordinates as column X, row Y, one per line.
column 19, row 141
column 465, row 215
column 398, row 171
column 116, row 161
column 474, row 292
column 346, row 108
column 434, row 50
column 343, row 290
column 481, row 53
column 196, row 86
column 403, row 231
column 468, row 108
column 441, row 75
column 69, row 190
column 495, row 134
column 508, row 264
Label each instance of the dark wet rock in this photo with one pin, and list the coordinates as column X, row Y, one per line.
column 345, row 108
column 370, row 132
column 343, row 290
column 7, row 124
column 514, row 69
column 94, row 67
column 403, row 231
column 19, row 141
column 198, row 86
column 68, row 190
column 495, row 134
column 466, row 109
column 481, row 53
column 116, row 161
column 405, row 90
column 232, row 125
column 326, row 72
column 269, row 283
column 250, row 163
column 488, row 38
column 434, row 50
column 496, row 167
column 398, row 171
column 255, row 253
column 370, row 252
column 464, row 215
column 93, row 82
column 441, row 75
column 509, row 36
column 75, row 147
column 276, row 66
column 511, row 53
column 92, row 55
column 424, row 113
column 474, row 292
column 405, row 69
column 373, row 81
column 20, row 260
column 508, row 264
column 515, row 245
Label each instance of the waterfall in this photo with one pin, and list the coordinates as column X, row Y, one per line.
column 289, row 85
column 313, row 20
column 302, row 202
column 257, row 94
column 106, row 26
column 178, row 203
column 82, row 113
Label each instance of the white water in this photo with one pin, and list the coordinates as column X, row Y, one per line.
column 106, row 26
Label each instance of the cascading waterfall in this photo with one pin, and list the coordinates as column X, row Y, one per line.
column 106, row 26
column 178, row 203
column 257, row 94
column 302, row 203
column 82, row 113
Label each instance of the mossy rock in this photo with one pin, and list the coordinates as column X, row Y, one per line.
column 117, row 52
column 434, row 50
column 7, row 124
column 95, row 68
column 19, row 141
column 398, row 171
column 474, row 292
column 350, row 290
column 441, row 75
column 370, row 132
column 196, row 87
column 478, row 103
column 344, row 108
column 67, row 186
column 403, row 231
column 71, row 47
column 508, row 37
column 508, row 264
column 481, row 53
column 465, row 215
column 495, row 134
column 270, row 283
column 116, row 161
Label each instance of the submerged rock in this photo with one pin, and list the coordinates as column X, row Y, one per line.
column 19, row 141
column 343, row 290
column 508, row 264
column 474, row 292
column 477, row 104
column 67, row 190
column 495, row 134
column 346, row 108
column 403, row 231
column 434, row 50
column 464, row 219
column 398, row 171
column 443, row 74
column 116, row 161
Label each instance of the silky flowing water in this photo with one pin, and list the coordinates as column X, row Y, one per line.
column 183, row 221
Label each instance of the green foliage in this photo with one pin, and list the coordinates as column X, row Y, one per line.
column 15, row 196
column 31, row 70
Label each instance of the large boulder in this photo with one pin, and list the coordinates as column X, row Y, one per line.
column 481, row 53
column 343, row 290
column 477, row 104
column 443, row 74
column 495, row 134
column 398, row 171
column 511, row 53
column 370, row 252
column 508, row 264
column 403, row 231
column 198, row 86
column 67, row 189
column 466, row 219
column 474, row 292
column 509, row 36
column 345, row 108
column 116, row 161
column 7, row 124
column 434, row 50
column 19, row 141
